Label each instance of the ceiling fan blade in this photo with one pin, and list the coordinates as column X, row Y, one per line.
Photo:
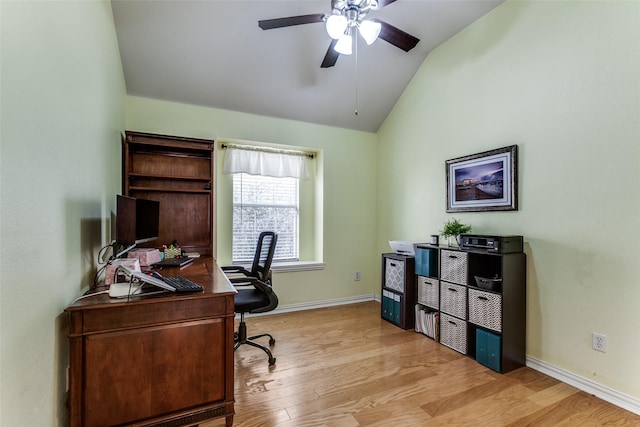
column 397, row 37
column 269, row 24
column 331, row 56
column 383, row 3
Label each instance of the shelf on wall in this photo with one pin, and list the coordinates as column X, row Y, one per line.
column 169, row 190
column 170, row 177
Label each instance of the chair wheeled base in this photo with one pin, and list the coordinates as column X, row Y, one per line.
column 241, row 338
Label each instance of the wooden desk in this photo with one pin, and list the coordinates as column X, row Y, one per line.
column 159, row 360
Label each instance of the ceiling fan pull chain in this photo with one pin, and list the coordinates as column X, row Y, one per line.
column 355, row 40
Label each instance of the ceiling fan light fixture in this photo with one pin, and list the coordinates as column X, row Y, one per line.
column 347, row 18
column 369, row 30
column 336, row 26
column 344, row 45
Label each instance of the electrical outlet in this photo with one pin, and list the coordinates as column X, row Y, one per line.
column 357, row 276
column 599, row 342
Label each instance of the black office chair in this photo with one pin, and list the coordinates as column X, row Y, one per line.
column 255, row 294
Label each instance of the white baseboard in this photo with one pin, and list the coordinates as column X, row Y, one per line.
column 605, row 393
column 322, row 304
column 317, row 304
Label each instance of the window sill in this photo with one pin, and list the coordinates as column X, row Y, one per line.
column 285, row 267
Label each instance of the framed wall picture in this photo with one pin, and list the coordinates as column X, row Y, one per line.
column 485, row 181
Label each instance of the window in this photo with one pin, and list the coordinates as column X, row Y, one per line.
column 272, row 189
column 265, row 203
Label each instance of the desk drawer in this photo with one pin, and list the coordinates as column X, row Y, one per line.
column 141, row 314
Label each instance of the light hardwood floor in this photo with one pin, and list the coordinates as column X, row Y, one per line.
column 344, row 366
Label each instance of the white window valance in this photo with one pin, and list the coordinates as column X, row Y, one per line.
column 265, row 162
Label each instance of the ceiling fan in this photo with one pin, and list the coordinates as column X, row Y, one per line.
column 347, row 18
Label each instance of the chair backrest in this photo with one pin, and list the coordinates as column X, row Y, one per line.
column 261, row 268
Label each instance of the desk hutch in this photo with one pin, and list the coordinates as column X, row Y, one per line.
column 178, row 173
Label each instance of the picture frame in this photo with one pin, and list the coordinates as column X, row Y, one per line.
column 486, row 181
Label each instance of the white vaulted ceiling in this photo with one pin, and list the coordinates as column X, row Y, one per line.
column 212, row 53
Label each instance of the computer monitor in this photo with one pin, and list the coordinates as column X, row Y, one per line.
column 137, row 221
column 147, row 220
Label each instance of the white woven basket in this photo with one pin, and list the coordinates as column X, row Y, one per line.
column 429, row 291
column 453, row 266
column 453, row 299
column 485, row 309
column 453, row 333
column 394, row 275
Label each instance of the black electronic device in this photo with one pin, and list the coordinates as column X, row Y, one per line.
column 174, row 262
column 182, row 284
column 147, row 220
column 125, row 220
column 495, row 244
column 137, row 221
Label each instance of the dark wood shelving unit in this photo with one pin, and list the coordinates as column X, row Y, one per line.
column 178, row 172
column 398, row 290
column 488, row 325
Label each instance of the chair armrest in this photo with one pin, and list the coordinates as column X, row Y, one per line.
column 235, row 269
column 240, row 281
column 258, row 284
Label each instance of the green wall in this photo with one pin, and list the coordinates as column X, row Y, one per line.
column 348, row 202
column 62, row 106
column 560, row 80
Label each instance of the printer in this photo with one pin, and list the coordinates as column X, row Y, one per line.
column 404, row 247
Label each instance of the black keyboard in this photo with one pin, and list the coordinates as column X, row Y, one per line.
column 182, row 284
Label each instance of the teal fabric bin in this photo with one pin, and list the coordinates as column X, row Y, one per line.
column 387, row 305
column 426, row 260
column 488, row 350
column 397, row 306
column 391, row 306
